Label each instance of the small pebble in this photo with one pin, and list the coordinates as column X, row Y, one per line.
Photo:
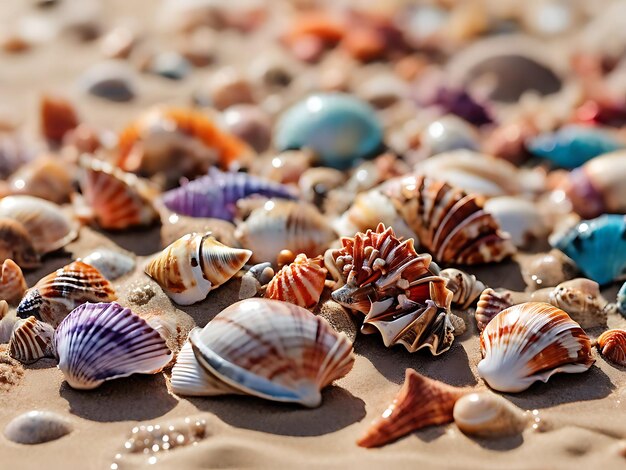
column 170, row 65
column 113, row 81
column 37, row 427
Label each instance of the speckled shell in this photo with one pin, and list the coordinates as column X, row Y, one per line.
column 94, row 343
column 47, row 225
column 16, row 244
column 488, row 415
column 46, row 177
column 598, row 247
column 612, row 345
column 12, row 282
column 112, row 264
column 465, row 287
column 117, row 199
column 452, row 224
column 300, row 283
column 37, row 427
column 530, row 342
column 583, row 302
column 31, row 340
column 274, row 350
column 194, row 265
column 339, row 128
column 395, row 288
column 284, row 225
column 490, row 303
column 421, row 402
column 57, row 294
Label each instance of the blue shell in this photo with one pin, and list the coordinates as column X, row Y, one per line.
column 339, row 128
column 621, row 300
column 598, row 247
column 216, row 194
column 571, row 146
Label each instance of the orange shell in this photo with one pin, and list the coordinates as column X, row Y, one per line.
column 315, row 24
column 364, row 44
column 612, row 345
column 12, row 282
column 300, row 282
column 421, row 402
column 58, row 116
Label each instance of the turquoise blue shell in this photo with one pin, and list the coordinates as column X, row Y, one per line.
column 571, row 146
column 621, row 300
column 339, row 128
column 598, row 247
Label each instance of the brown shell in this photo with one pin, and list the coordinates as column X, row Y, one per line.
column 465, row 287
column 451, row 224
column 490, row 303
column 421, row 402
column 12, row 282
column 300, row 282
column 612, row 345
column 46, row 177
column 31, row 340
column 58, row 116
column 314, row 25
column 16, row 244
column 583, row 302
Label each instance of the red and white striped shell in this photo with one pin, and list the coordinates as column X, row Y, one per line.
column 612, row 345
column 12, row 282
column 300, row 282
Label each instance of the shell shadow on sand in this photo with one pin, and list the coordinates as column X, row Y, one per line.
column 142, row 242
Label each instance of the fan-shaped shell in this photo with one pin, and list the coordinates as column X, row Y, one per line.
column 421, row 402
column 465, row 287
column 451, row 224
column 300, row 282
column 612, row 345
column 37, row 427
column 31, row 340
column 485, row 414
column 490, row 303
column 530, row 342
column 194, row 265
column 16, row 244
column 46, row 224
column 104, row 341
column 12, row 282
column 57, row 294
column 274, row 350
column 46, row 177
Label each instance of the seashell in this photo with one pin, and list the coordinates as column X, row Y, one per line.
column 316, row 184
column 46, row 177
column 255, row 280
column 57, row 116
column 227, row 87
column 383, row 90
column 621, row 300
column 448, row 133
column 488, row 415
column 598, row 247
column 37, row 427
column 216, row 194
column 459, row 102
column 118, row 200
column 311, row 33
column 57, row 294
column 573, row 145
column 451, row 224
column 14, row 152
column 508, row 141
column 16, row 244
column 339, row 128
column 118, row 43
column 518, row 217
column 194, row 265
column 251, row 124
column 530, row 342
column 465, row 287
column 300, row 283
column 93, row 345
column 490, row 303
column 46, row 224
column 285, row 167
column 31, row 340
column 112, row 264
column 395, row 287
column 8, row 318
column 271, row 349
column 547, row 269
column 421, row 402
column 171, row 65
column 458, row 325
column 279, row 225
column 12, row 282
column 612, row 345
column 112, row 80
column 583, row 302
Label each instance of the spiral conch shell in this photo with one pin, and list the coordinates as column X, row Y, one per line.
column 530, row 342
column 300, row 282
column 421, row 402
column 12, row 282
column 612, row 345
column 194, row 265
column 31, row 340
column 465, row 287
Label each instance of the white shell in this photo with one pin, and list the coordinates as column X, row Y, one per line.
column 112, row 264
column 519, row 217
column 485, row 414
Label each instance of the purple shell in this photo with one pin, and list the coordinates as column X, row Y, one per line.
column 461, row 103
column 216, row 194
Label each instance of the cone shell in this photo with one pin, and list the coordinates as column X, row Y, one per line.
column 31, row 340
column 300, row 282
column 16, row 244
column 118, row 200
column 47, row 225
column 612, row 345
column 421, row 402
column 194, row 265
column 12, row 282
column 530, row 342
column 451, row 224
column 57, row 294
column 104, row 341
column 490, row 303
column 465, row 287
column 488, row 415
column 583, row 302
column 274, row 350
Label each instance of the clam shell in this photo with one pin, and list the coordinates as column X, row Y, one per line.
column 273, row 350
column 300, row 283
column 465, row 287
column 421, row 402
column 31, row 340
column 112, row 264
column 46, row 177
column 12, row 282
column 193, row 265
column 583, row 302
column 16, row 244
column 530, row 342
column 490, row 303
column 612, row 345
column 37, row 427
column 46, row 224
column 57, row 294
column 488, row 415
column 104, row 341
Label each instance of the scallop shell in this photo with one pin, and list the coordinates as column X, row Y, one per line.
column 583, row 302
column 12, row 282
column 421, row 402
column 46, row 224
column 280, row 225
column 37, row 427
column 452, row 224
column 300, row 283
column 612, row 345
column 46, row 177
column 488, row 415
column 118, row 200
column 465, row 287
column 104, row 341
column 194, row 265
column 530, row 342
column 274, row 350
column 57, row 294
column 58, row 117
column 490, row 303
column 112, row 264
column 396, row 288
column 31, row 340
